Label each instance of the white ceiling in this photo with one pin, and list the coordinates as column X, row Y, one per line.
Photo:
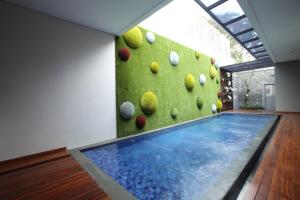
column 112, row 16
column 277, row 23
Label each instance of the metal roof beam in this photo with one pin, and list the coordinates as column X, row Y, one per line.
column 234, row 20
column 245, row 68
column 260, row 45
column 252, row 68
column 216, row 4
column 251, row 63
column 262, row 56
column 251, row 40
column 243, row 32
column 259, row 52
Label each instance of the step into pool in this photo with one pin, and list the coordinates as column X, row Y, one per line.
column 201, row 159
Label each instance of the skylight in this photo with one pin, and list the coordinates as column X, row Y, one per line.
column 228, row 10
column 231, row 17
column 247, row 36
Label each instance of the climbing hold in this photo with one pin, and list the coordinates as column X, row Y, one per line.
column 219, row 105
column 212, row 72
column 197, row 54
column 199, row 102
column 174, row 113
column 150, row 37
column 154, row 67
column 202, row 79
column 124, row 54
column 127, row 110
column 189, row 81
column 214, row 108
column 212, row 61
column 148, row 102
column 133, row 37
column 140, row 121
column 174, row 58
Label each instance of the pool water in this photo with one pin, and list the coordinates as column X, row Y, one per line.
column 182, row 162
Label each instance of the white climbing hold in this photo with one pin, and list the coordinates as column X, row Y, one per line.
column 174, row 58
column 202, row 79
column 150, row 37
column 214, row 108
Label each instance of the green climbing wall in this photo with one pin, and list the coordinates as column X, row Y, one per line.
column 134, row 77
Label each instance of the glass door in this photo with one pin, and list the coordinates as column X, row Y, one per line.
column 269, row 96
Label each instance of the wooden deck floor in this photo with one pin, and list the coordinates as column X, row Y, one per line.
column 277, row 176
column 278, row 173
column 59, row 178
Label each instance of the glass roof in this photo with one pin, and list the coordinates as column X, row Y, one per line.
column 261, row 54
column 231, row 17
column 257, row 49
column 253, row 44
column 264, row 57
column 247, row 36
column 239, row 26
column 228, row 10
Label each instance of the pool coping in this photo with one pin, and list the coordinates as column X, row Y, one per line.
column 218, row 191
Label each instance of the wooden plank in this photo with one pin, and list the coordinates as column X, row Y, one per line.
column 58, row 179
column 278, row 174
column 31, row 160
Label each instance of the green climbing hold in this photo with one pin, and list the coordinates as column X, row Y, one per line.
column 197, row 54
column 199, row 103
column 174, row 113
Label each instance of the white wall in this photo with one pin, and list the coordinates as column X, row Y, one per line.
column 288, row 86
column 57, row 83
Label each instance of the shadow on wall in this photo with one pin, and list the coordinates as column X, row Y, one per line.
column 160, row 82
